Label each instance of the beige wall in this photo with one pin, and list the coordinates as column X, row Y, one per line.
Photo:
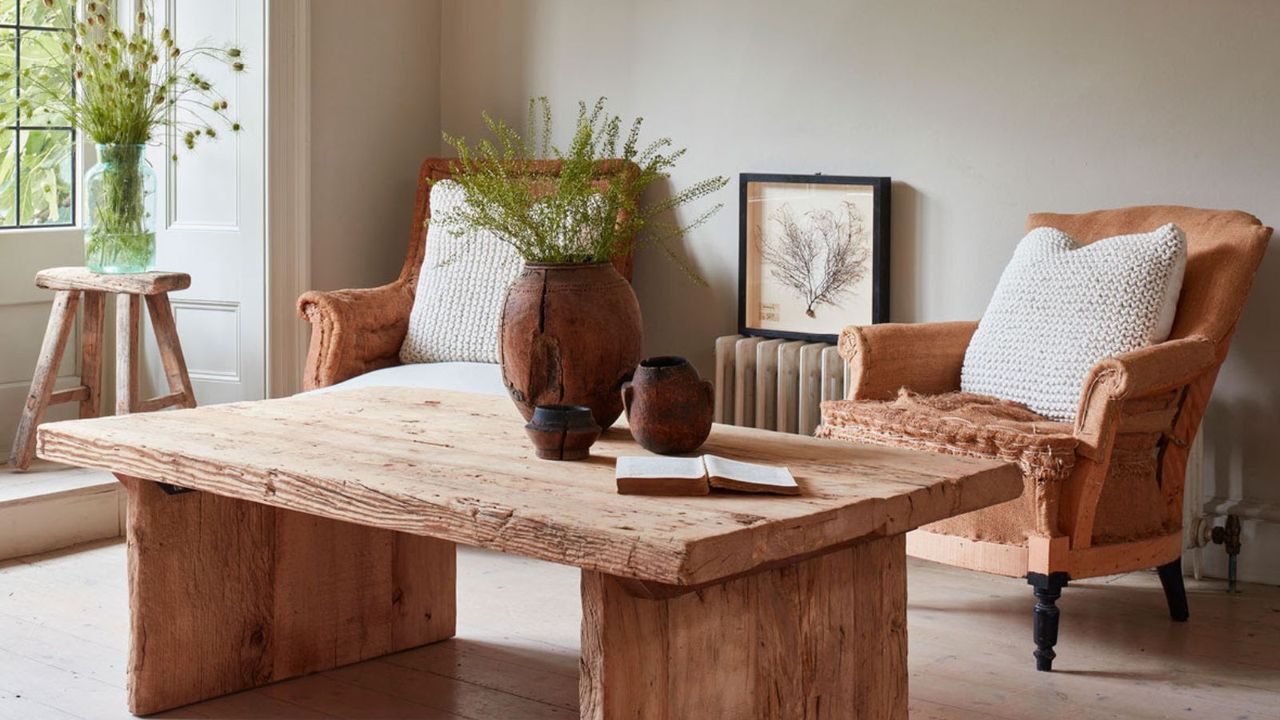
column 375, row 104
column 981, row 112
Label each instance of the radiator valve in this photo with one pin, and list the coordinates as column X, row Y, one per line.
column 1228, row 536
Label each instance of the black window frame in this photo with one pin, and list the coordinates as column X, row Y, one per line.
column 17, row 126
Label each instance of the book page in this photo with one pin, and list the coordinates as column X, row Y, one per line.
column 648, row 466
column 767, row 477
column 647, row 475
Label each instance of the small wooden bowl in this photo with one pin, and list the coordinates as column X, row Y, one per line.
column 562, row 432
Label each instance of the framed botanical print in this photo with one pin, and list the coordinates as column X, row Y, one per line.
column 813, row 255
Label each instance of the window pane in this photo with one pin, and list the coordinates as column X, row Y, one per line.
column 46, row 177
column 8, row 77
column 55, row 14
column 8, row 11
column 8, row 178
column 45, row 76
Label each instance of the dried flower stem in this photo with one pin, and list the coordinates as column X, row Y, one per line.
column 592, row 210
column 131, row 83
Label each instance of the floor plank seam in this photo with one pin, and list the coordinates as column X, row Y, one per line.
column 482, row 685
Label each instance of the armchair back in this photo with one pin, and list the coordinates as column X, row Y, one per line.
column 356, row 331
column 1224, row 250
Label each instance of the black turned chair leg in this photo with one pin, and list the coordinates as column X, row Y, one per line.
column 1047, row 589
column 1175, row 592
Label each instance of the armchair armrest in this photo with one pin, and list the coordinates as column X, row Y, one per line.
column 922, row 357
column 354, row 331
column 1139, row 373
column 1146, row 372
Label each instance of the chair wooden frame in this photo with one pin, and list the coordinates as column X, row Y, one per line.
column 356, row 331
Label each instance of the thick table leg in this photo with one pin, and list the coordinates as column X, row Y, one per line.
column 227, row 595
column 823, row 638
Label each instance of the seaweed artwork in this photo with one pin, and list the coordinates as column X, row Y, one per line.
column 819, row 255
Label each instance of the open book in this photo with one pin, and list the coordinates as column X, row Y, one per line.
column 653, row 475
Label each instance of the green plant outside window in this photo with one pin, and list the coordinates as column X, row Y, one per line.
column 37, row 152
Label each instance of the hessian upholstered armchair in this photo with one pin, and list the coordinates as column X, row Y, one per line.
column 355, row 332
column 1103, row 494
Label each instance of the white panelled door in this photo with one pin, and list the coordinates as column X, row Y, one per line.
column 212, row 218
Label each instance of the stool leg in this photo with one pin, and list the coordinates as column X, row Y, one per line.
column 128, row 313
column 175, row 365
column 61, row 320
column 95, row 309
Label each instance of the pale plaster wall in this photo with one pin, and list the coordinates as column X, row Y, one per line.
column 375, row 104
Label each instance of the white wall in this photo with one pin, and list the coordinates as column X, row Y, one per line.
column 375, row 104
column 981, row 112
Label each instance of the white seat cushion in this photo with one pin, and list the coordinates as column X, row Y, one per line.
column 484, row 378
column 1060, row 307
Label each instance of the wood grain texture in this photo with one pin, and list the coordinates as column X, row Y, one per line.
column 81, row 278
column 62, row 320
column 175, row 365
column 1097, row 560
column 998, row 558
column 128, row 317
column 225, row 595
column 458, row 467
column 1045, row 555
column 73, row 394
column 92, row 339
column 824, row 638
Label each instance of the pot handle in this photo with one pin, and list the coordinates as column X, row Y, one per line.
column 709, row 388
column 627, row 392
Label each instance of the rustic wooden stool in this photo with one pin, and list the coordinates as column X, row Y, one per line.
column 71, row 283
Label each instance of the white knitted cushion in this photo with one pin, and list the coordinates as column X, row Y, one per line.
column 461, row 288
column 1060, row 307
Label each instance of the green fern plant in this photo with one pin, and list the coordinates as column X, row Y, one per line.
column 593, row 208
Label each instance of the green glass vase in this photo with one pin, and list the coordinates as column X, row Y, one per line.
column 120, row 204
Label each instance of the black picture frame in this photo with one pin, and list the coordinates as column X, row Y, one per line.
column 879, row 248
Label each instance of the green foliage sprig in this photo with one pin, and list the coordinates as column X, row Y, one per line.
column 130, row 84
column 593, row 209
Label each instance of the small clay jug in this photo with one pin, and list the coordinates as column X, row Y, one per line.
column 668, row 406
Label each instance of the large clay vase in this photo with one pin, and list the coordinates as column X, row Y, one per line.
column 668, row 406
column 569, row 335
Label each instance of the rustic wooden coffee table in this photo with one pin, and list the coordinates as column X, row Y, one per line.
column 323, row 527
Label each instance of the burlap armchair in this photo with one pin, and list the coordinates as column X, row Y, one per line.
column 357, row 331
column 1103, row 494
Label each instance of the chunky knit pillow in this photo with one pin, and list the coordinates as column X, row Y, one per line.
column 1060, row 307
column 461, row 288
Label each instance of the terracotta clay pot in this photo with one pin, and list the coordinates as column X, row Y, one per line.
column 668, row 406
column 569, row 335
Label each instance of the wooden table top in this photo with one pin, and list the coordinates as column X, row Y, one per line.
column 458, row 466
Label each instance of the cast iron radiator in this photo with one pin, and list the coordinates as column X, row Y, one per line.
column 776, row 384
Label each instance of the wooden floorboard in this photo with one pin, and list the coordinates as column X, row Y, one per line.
column 64, row 625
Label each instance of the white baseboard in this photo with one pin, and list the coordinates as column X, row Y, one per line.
column 53, row 508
